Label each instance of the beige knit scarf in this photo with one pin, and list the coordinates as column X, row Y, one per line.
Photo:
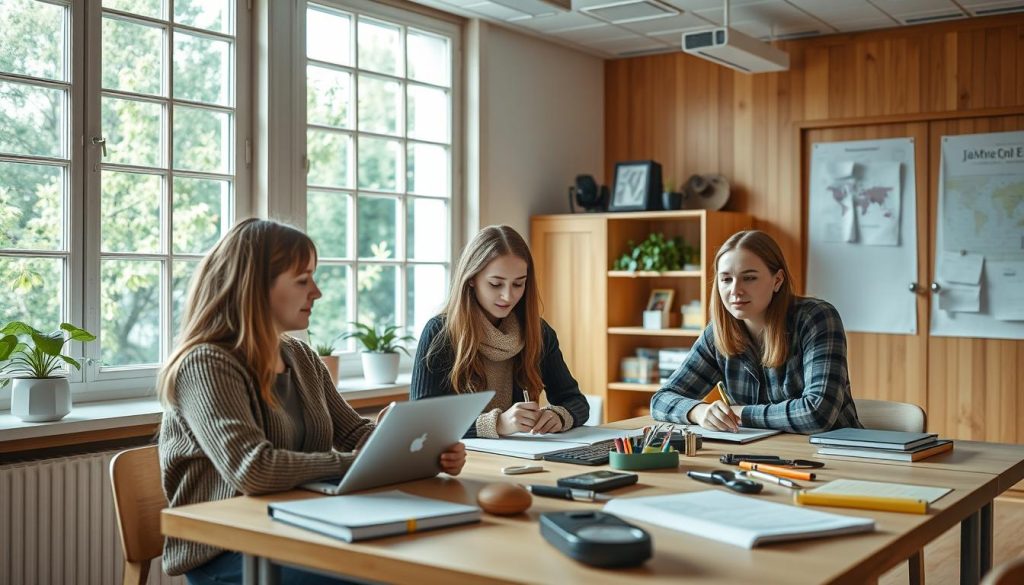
column 499, row 346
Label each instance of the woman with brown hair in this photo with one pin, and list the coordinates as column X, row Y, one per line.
column 782, row 357
column 248, row 409
column 490, row 336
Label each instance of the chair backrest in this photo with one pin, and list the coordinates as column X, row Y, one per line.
column 885, row 415
column 1009, row 573
column 138, row 500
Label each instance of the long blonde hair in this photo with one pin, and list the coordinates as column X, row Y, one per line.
column 464, row 319
column 229, row 300
column 730, row 336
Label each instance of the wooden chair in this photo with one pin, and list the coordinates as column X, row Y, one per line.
column 138, row 499
column 885, row 415
column 1009, row 573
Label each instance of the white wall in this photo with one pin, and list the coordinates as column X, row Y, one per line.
column 536, row 121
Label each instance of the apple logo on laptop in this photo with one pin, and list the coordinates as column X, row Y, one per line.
column 417, row 443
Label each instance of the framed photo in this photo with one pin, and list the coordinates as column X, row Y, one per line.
column 661, row 300
column 637, row 186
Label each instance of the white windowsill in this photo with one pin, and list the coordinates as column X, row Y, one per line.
column 112, row 414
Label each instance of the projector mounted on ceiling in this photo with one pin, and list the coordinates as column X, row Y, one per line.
column 729, row 47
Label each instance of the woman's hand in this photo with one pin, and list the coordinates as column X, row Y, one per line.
column 519, row 418
column 453, row 459
column 715, row 416
column 548, row 421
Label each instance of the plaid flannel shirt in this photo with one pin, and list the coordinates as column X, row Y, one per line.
column 808, row 394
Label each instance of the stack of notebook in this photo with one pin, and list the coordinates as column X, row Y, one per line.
column 872, row 444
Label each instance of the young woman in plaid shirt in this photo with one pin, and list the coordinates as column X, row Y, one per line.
column 781, row 357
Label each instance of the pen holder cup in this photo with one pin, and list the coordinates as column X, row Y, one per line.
column 652, row 459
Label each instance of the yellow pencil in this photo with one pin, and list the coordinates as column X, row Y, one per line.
column 907, row 505
column 725, row 398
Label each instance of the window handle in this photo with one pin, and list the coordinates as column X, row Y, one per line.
column 102, row 143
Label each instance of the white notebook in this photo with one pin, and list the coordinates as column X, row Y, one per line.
column 529, row 446
column 742, row 436
column 733, row 519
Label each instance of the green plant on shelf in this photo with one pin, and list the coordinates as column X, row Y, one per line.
column 657, row 254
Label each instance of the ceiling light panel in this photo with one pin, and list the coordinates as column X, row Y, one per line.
column 625, row 11
column 674, row 24
column 560, row 22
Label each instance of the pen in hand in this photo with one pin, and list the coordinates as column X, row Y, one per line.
column 728, row 404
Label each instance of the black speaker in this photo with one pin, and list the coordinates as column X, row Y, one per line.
column 587, row 194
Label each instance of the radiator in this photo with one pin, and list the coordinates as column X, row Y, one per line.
column 57, row 524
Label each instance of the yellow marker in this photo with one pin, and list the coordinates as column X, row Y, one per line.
column 907, row 505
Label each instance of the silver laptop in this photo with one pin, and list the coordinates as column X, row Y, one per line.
column 408, row 442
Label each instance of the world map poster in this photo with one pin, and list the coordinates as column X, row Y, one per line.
column 862, row 202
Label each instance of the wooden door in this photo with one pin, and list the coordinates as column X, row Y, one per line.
column 887, row 366
column 569, row 255
column 974, row 385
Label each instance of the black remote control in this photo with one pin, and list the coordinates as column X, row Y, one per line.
column 596, row 538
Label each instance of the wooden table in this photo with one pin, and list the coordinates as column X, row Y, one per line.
column 511, row 550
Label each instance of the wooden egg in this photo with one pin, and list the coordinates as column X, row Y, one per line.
column 504, row 499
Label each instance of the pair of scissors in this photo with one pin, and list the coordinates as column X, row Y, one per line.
column 731, row 459
column 728, row 479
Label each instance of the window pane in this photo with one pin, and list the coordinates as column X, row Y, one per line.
column 31, row 206
column 328, row 97
column 378, row 163
column 202, row 69
column 154, row 8
column 32, row 291
column 378, row 294
column 133, row 131
column 32, row 120
column 425, row 233
column 330, row 154
column 327, row 215
column 201, row 211
column 428, row 113
column 130, row 212
column 328, row 36
column 429, row 58
column 182, row 280
column 428, row 172
column 330, row 312
column 209, row 14
column 32, row 39
column 378, row 221
column 130, row 312
column 132, row 57
column 380, row 103
column 427, row 287
column 202, row 140
column 380, row 47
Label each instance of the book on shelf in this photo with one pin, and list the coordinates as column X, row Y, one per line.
column 873, row 439
column 915, row 454
column 364, row 516
column 736, row 520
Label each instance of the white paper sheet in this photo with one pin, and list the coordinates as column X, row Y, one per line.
column 960, row 298
column 856, row 487
column 961, row 268
column 1007, row 290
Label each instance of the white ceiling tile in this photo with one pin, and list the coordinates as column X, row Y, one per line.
column 560, row 22
column 635, row 44
column 685, row 21
column 836, row 11
column 594, row 34
column 984, row 7
column 869, row 24
column 497, row 11
column 904, row 7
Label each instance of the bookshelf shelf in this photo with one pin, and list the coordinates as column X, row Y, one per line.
column 675, row 332
column 648, row 274
column 631, row 387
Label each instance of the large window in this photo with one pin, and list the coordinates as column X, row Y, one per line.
column 379, row 142
column 118, row 165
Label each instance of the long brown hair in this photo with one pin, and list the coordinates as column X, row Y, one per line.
column 229, row 300
column 730, row 336
column 464, row 317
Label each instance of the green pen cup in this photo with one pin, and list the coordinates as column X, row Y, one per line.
column 651, row 458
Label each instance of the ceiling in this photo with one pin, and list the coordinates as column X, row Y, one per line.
column 625, row 28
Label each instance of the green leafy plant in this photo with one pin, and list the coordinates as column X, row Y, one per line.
column 657, row 253
column 378, row 339
column 30, row 353
column 324, row 348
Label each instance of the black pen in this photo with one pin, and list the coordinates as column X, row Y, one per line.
column 578, row 495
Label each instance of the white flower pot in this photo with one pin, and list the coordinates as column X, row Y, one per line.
column 380, row 368
column 40, row 399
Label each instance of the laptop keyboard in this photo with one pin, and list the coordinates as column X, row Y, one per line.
column 596, row 454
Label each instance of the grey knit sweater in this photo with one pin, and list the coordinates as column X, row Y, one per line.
column 220, row 439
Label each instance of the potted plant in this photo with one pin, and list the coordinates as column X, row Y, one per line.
column 32, row 358
column 326, row 353
column 381, row 345
column 657, row 254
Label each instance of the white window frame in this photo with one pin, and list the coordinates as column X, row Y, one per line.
column 350, row 360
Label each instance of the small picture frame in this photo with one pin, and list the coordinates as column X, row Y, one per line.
column 661, row 300
column 637, row 186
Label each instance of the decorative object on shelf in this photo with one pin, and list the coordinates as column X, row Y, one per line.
column 661, row 300
column 670, row 198
column 707, row 192
column 692, row 316
column 587, row 194
column 638, row 370
column 381, row 345
column 326, row 353
column 637, row 186
column 657, row 253
column 32, row 357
